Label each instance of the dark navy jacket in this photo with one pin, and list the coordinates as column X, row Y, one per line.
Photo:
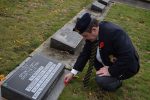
column 113, row 41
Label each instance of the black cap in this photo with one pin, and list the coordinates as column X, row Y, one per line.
column 82, row 23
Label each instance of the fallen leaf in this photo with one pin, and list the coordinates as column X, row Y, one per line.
column 2, row 77
column 90, row 93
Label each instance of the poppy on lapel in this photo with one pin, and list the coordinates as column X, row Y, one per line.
column 101, row 44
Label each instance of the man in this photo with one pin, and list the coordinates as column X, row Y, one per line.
column 116, row 58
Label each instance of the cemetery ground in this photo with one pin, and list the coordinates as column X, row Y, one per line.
column 25, row 25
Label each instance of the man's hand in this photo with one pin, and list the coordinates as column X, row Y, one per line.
column 103, row 71
column 68, row 78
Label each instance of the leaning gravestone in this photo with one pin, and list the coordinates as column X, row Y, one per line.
column 66, row 40
column 97, row 6
column 34, row 79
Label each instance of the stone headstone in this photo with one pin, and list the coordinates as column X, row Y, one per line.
column 96, row 6
column 34, row 80
column 105, row 2
column 66, row 40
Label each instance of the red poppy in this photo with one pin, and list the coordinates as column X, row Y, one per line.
column 101, row 45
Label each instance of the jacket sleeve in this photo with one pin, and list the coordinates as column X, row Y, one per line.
column 123, row 48
column 83, row 57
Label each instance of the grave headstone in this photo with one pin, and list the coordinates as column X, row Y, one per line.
column 105, row 2
column 66, row 40
column 34, row 80
column 96, row 6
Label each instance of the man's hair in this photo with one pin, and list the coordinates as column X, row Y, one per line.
column 94, row 23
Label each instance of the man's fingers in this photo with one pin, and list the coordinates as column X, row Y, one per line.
column 97, row 72
column 102, row 74
column 100, row 71
column 66, row 79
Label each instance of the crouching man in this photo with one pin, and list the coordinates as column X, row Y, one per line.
column 115, row 58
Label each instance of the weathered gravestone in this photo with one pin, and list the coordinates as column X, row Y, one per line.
column 96, row 6
column 105, row 2
column 34, row 79
column 67, row 40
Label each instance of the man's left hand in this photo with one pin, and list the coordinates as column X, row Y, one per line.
column 103, row 71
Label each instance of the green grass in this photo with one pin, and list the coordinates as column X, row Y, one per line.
column 25, row 24
column 136, row 22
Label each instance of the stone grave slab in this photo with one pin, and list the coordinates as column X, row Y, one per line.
column 98, row 7
column 105, row 2
column 57, row 90
column 34, row 80
column 66, row 40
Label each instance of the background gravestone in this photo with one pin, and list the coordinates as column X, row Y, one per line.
column 99, row 7
column 67, row 40
column 34, row 80
column 105, row 2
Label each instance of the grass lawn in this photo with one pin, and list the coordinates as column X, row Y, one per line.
column 25, row 24
column 136, row 22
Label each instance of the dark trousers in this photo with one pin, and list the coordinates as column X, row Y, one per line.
column 108, row 83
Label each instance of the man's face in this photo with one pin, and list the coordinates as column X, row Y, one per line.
column 92, row 36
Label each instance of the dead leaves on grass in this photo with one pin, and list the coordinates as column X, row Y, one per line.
column 126, row 18
column 2, row 77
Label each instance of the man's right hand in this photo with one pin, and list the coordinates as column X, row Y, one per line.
column 68, row 78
